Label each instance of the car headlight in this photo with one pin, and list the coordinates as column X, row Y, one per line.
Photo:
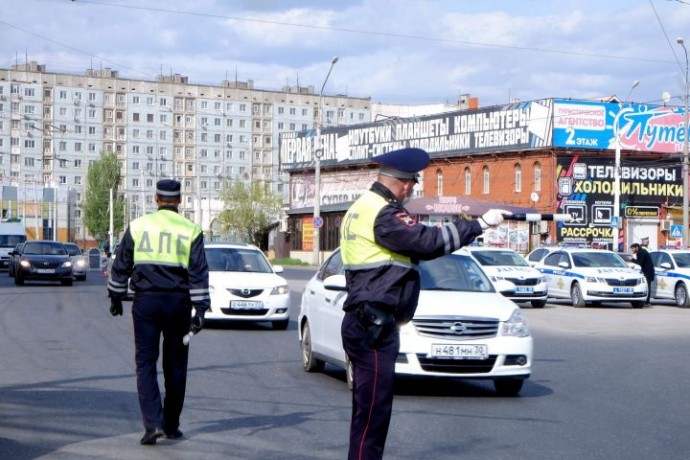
column 67, row 263
column 542, row 279
column 516, row 326
column 595, row 279
column 25, row 263
column 81, row 263
column 279, row 290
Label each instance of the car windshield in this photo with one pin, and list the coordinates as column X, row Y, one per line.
column 683, row 259
column 490, row 258
column 73, row 249
column 52, row 249
column 236, row 260
column 454, row 272
column 598, row 259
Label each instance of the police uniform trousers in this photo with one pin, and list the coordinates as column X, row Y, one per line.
column 373, row 387
column 155, row 314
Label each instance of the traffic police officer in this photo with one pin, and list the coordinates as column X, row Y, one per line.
column 381, row 246
column 162, row 253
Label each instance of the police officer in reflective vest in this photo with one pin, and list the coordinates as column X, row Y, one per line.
column 162, row 253
column 381, row 246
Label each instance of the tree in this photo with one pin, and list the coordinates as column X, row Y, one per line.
column 103, row 175
column 250, row 209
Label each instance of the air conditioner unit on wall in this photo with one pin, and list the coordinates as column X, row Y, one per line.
column 666, row 225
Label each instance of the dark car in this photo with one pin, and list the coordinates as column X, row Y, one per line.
column 14, row 259
column 43, row 260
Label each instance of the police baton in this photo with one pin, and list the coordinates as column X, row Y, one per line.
column 535, row 217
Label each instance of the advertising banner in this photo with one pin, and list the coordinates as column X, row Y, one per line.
column 586, row 190
column 511, row 127
column 594, row 125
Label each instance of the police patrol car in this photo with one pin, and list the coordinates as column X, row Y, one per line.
column 671, row 276
column 588, row 276
column 506, row 264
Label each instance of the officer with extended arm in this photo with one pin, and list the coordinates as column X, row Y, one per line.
column 381, row 246
column 163, row 254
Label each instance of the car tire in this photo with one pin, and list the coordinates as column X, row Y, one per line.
column 82, row 278
column 280, row 325
column 349, row 373
column 18, row 280
column 508, row 386
column 538, row 303
column 309, row 362
column 680, row 295
column 66, row 282
column 576, row 296
column 638, row 304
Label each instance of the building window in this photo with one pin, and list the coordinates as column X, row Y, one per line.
column 518, row 178
column 486, row 177
column 439, row 182
column 468, row 181
column 537, row 177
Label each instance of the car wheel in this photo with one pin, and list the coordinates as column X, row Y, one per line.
column 508, row 387
column 18, row 280
column 681, row 296
column 538, row 303
column 280, row 325
column 309, row 362
column 638, row 304
column 82, row 278
column 576, row 295
column 349, row 373
column 66, row 282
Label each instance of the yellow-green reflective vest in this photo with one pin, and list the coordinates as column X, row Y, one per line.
column 358, row 247
column 163, row 238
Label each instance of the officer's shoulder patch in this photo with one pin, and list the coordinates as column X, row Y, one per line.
column 406, row 219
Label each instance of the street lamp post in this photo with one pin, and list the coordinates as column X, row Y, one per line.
column 681, row 42
column 318, row 152
column 617, row 173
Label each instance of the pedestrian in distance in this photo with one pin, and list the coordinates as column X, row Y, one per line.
column 381, row 246
column 644, row 260
column 163, row 254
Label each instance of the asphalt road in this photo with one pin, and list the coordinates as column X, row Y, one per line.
column 608, row 383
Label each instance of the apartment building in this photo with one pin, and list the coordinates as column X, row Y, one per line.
column 53, row 126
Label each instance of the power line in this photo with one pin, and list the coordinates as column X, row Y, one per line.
column 372, row 33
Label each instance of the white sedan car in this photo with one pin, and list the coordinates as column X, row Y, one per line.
column 244, row 286
column 671, row 276
column 592, row 276
column 506, row 264
column 463, row 327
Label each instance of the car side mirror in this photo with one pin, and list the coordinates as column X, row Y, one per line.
column 335, row 283
column 563, row 264
column 665, row 265
column 278, row 268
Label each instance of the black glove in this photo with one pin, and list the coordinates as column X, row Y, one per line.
column 115, row 306
column 376, row 322
column 197, row 321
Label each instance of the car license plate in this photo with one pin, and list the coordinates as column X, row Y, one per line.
column 524, row 290
column 246, row 305
column 45, row 270
column 622, row 290
column 459, row 351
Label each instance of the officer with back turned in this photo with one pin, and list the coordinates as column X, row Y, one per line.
column 163, row 254
column 381, row 246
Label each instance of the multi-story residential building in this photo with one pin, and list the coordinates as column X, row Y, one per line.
column 53, row 126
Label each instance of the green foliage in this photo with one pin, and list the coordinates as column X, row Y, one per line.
column 103, row 175
column 249, row 209
column 288, row 261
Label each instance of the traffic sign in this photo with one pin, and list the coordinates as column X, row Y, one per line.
column 676, row 231
column 318, row 222
column 614, row 221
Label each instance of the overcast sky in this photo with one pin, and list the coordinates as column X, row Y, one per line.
column 397, row 51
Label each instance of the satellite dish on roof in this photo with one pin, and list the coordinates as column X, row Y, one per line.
column 534, row 196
